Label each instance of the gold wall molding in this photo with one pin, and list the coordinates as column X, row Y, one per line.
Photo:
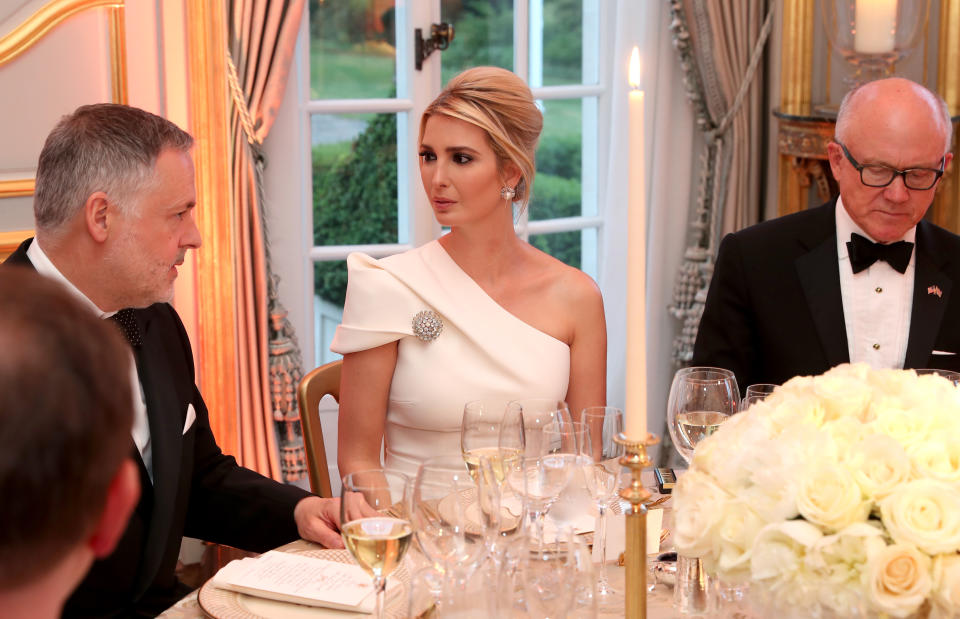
column 796, row 85
column 216, row 281
column 31, row 30
column 945, row 211
column 16, row 188
column 9, row 241
column 35, row 27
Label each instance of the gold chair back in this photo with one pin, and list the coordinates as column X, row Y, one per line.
column 316, row 384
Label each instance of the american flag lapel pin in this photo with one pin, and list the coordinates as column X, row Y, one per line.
column 935, row 290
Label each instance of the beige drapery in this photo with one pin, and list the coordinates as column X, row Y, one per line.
column 721, row 46
column 724, row 37
column 261, row 38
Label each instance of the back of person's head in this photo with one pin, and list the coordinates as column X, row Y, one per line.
column 104, row 147
column 66, row 410
column 501, row 104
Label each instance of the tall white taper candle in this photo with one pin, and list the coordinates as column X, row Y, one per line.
column 636, row 370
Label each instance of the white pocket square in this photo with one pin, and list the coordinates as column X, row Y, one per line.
column 944, row 353
column 191, row 417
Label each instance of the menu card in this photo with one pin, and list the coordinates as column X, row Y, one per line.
column 300, row 579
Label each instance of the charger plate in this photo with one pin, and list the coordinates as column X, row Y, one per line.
column 223, row 604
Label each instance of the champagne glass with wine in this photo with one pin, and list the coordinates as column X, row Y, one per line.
column 375, row 523
column 701, row 398
column 480, row 437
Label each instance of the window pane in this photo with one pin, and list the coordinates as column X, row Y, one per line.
column 556, row 187
column 352, row 49
column 330, row 288
column 483, row 34
column 354, row 178
column 564, row 246
column 563, row 25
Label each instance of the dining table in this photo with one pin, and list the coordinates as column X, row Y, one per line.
column 198, row 605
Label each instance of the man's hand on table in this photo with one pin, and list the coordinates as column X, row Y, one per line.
column 318, row 520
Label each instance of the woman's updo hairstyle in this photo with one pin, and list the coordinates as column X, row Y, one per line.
column 501, row 104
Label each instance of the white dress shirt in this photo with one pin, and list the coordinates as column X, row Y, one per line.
column 877, row 302
column 141, row 427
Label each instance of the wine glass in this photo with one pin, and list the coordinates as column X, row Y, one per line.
column 545, row 469
column 450, row 523
column 701, row 398
column 480, row 436
column 374, row 523
column 756, row 393
column 953, row 377
column 600, row 461
column 534, row 414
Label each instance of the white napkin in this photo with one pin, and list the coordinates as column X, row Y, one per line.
column 303, row 580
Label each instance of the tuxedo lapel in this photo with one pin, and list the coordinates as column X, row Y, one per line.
column 931, row 292
column 819, row 273
column 165, row 427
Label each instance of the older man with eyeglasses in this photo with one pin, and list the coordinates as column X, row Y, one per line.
column 862, row 278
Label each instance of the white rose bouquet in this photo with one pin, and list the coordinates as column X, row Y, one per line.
column 839, row 492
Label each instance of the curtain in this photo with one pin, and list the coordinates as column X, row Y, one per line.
column 721, row 46
column 671, row 147
column 261, row 39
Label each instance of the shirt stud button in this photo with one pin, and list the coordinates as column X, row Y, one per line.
column 878, row 289
column 876, row 346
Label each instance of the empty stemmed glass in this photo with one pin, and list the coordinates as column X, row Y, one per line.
column 450, row 522
column 534, row 414
column 375, row 523
column 600, row 462
column 550, row 456
column 701, row 398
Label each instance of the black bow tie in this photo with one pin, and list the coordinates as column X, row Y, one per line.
column 127, row 322
column 864, row 252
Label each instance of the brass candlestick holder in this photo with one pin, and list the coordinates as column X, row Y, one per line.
column 635, row 551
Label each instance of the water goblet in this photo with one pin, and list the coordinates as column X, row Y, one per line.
column 701, row 398
column 600, row 462
column 374, row 523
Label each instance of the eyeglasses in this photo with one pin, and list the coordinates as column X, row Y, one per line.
column 877, row 175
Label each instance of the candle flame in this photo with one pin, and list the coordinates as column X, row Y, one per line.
column 634, row 72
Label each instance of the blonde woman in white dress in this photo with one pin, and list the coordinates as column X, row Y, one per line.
column 478, row 313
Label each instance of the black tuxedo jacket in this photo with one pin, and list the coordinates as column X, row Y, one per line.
column 774, row 309
column 196, row 490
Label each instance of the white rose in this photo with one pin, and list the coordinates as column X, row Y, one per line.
column 905, row 427
column 938, row 459
column 898, row 580
column 925, row 513
column 946, row 584
column 879, row 464
column 846, row 432
column 843, row 392
column 780, row 548
column 795, row 409
column 698, row 508
column 828, row 496
column 736, row 532
column 841, row 557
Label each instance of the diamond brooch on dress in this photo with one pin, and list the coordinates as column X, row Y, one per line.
column 427, row 325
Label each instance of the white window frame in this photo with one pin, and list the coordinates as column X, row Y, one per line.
column 294, row 260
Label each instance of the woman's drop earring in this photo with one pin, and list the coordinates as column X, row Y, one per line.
column 507, row 193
